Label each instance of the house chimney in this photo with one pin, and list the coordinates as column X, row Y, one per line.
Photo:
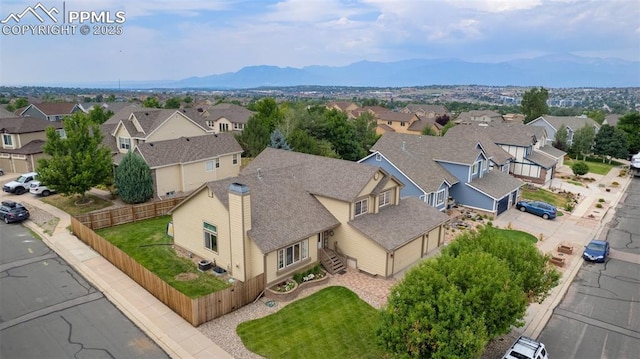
column 239, row 225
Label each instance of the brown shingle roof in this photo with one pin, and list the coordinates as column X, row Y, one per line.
column 55, row 108
column 394, row 226
column 26, row 125
column 188, row 149
column 282, row 210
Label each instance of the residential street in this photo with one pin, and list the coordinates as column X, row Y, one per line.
column 598, row 318
column 48, row 310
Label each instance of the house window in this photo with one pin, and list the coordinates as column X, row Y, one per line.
column 7, row 140
column 440, row 197
column 208, row 166
column 210, row 236
column 61, row 133
column 238, row 126
column 378, row 157
column 209, row 123
column 125, row 143
column 224, row 127
column 293, row 254
column 235, row 158
column 389, row 123
column 476, row 167
column 384, row 198
column 217, row 160
column 402, row 124
column 361, row 207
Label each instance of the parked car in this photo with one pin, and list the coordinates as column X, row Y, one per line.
column 526, row 348
column 11, row 211
column 542, row 209
column 596, row 251
column 21, row 184
column 36, row 187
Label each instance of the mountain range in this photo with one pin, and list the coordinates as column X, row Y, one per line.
column 552, row 71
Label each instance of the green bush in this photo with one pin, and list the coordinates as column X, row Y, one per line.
column 601, row 200
column 133, row 179
column 580, row 168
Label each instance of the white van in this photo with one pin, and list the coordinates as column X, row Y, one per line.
column 526, row 348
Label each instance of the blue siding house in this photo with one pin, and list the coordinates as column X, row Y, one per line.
column 441, row 172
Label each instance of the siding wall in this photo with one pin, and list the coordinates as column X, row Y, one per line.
column 175, row 127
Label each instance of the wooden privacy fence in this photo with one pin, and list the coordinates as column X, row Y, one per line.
column 121, row 215
column 195, row 311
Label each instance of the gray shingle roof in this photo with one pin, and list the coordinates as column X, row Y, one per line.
column 573, row 122
column 541, row 159
column 4, row 113
column 552, row 151
column 150, row 119
column 394, row 226
column 496, row 184
column 328, row 177
column 475, row 133
column 510, row 133
column 188, row 149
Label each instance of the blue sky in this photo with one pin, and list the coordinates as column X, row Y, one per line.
column 170, row 40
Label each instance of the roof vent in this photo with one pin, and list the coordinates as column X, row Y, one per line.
column 200, row 109
column 404, row 145
column 259, row 173
column 151, row 144
column 146, row 113
column 187, row 138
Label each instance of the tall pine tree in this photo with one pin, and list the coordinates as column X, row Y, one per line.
column 133, row 179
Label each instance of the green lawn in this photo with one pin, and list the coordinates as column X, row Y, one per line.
column 539, row 194
column 596, row 167
column 332, row 323
column 147, row 243
column 515, row 235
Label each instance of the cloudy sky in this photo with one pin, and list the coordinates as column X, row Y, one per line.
column 170, row 40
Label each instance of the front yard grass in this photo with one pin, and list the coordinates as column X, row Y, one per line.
column 148, row 244
column 68, row 204
column 596, row 167
column 332, row 323
column 515, row 235
column 539, row 194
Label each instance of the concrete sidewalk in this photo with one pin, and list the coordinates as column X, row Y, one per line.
column 576, row 229
column 175, row 335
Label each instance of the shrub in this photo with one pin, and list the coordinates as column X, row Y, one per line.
column 601, row 200
column 580, row 168
column 133, row 179
column 598, row 205
column 569, row 207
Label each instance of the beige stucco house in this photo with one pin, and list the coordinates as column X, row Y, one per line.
column 22, row 141
column 182, row 153
column 287, row 211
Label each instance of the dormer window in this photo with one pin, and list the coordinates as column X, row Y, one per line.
column 361, row 207
column 384, row 198
column 476, row 167
column 125, row 143
column 7, row 140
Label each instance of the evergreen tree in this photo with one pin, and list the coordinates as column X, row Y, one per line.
column 279, row 141
column 560, row 141
column 611, row 142
column 133, row 179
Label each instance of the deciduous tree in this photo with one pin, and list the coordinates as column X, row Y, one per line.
column 133, row 179
column 583, row 141
column 152, row 102
column 534, row 103
column 172, row 102
column 98, row 115
column 79, row 161
column 562, row 135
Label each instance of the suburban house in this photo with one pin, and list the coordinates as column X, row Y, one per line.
column 400, row 122
column 475, row 116
column 49, row 111
column 22, row 141
column 573, row 123
column 532, row 159
column 439, row 171
column 220, row 118
column 181, row 152
column 425, row 110
column 287, row 211
column 181, row 165
column 343, row 106
column 499, row 158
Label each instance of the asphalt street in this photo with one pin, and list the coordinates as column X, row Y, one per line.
column 48, row 310
column 598, row 317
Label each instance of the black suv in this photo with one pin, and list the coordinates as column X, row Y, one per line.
column 13, row 212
